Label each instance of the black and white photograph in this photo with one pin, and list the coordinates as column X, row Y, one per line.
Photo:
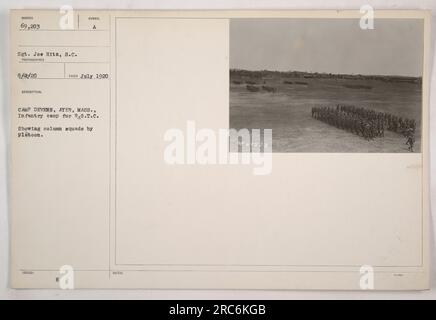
column 328, row 85
column 242, row 153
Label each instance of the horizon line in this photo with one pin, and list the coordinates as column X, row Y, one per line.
column 324, row 72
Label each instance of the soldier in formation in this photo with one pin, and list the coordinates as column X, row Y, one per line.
column 366, row 123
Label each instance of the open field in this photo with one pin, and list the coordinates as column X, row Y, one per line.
column 287, row 109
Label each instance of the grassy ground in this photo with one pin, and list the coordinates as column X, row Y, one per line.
column 288, row 112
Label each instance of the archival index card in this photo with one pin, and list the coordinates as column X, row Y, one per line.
column 219, row 149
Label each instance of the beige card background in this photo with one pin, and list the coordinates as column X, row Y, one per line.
column 108, row 205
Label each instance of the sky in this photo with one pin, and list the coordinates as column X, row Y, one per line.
column 393, row 47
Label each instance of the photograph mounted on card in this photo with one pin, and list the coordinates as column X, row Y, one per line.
column 220, row 149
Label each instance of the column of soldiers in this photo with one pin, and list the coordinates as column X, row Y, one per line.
column 366, row 123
